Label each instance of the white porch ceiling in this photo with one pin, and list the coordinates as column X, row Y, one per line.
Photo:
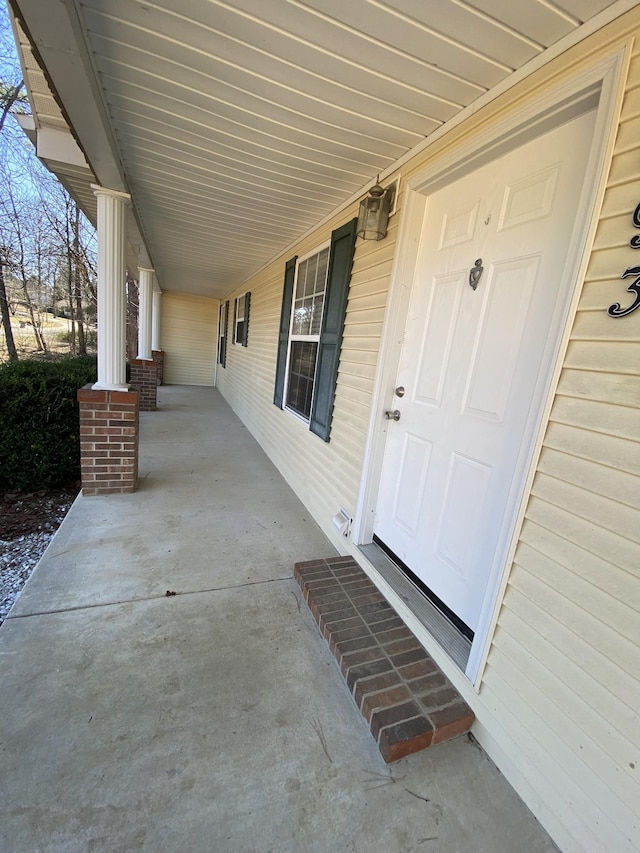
column 238, row 125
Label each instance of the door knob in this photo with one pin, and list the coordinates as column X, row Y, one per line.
column 392, row 415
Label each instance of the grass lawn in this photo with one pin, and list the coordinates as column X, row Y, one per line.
column 55, row 330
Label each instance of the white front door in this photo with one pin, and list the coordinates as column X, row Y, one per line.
column 476, row 364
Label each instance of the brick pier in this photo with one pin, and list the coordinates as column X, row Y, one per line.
column 407, row 701
column 109, row 430
column 144, row 379
column 158, row 357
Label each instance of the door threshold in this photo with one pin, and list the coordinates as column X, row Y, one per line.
column 449, row 637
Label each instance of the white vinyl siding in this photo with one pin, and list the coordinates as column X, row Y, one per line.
column 563, row 675
column 189, row 329
column 325, row 475
column 558, row 704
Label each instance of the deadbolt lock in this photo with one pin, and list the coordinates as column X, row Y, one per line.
column 399, row 392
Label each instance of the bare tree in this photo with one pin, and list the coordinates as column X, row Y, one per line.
column 77, row 281
column 75, row 248
column 4, row 310
column 12, row 95
column 45, row 240
column 16, row 225
column 9, row 95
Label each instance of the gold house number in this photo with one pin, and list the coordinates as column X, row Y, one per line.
column 616, row 309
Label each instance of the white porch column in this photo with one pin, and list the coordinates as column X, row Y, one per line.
column 145, row 291
column 155, row 321
column 111, row 289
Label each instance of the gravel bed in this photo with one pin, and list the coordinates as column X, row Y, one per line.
column 27, row 525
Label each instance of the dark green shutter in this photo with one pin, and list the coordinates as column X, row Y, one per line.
column 343, row 241
column 285, row 323
column 245, row 332
column 220, row 335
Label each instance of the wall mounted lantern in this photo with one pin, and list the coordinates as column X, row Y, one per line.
column 374, row 212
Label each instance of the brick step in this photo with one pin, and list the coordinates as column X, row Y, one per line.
column 408, row 703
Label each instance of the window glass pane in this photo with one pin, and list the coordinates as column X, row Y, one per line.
column 308, row 313
column 316, row 314
column 312, row 270
column 321, row 274
column 303, row 279
column 302, row 314
column 302, row 369
column 298, row 325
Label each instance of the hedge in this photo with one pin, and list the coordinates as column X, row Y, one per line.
column 39, row 430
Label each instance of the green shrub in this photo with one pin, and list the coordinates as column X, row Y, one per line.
column 39, row 430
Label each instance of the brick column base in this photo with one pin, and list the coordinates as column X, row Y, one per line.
column 144, row 379
column 158, row 357
column 109, row 432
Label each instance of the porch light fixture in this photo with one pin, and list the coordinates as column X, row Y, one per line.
column 374, row 212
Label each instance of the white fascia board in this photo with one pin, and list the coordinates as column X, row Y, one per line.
column 28, row 126
column 57, row 34
column 26, row 122
column 59, row 145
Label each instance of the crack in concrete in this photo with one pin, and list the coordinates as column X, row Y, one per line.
column 144, row 598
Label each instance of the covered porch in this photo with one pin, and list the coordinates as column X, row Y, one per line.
column 214, row 719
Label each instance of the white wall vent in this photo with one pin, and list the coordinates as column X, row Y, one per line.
column 342, row 521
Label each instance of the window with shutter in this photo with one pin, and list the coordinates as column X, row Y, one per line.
column 241, row 319
column 222, row 334
column 312, row 320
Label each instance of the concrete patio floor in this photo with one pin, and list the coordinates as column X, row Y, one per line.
column 216, row 719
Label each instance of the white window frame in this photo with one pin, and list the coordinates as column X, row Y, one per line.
column 304, row 338
column 239, row 301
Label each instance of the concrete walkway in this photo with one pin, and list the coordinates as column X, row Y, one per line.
column 214, row 720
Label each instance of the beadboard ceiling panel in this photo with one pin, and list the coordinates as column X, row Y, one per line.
column 236, row 125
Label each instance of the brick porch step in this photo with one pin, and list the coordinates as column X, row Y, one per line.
column 408, row 703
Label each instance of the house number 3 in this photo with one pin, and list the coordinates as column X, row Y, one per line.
column 616, row 309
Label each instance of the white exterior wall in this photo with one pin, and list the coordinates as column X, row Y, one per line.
column 558, row 704
column 189, row 329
